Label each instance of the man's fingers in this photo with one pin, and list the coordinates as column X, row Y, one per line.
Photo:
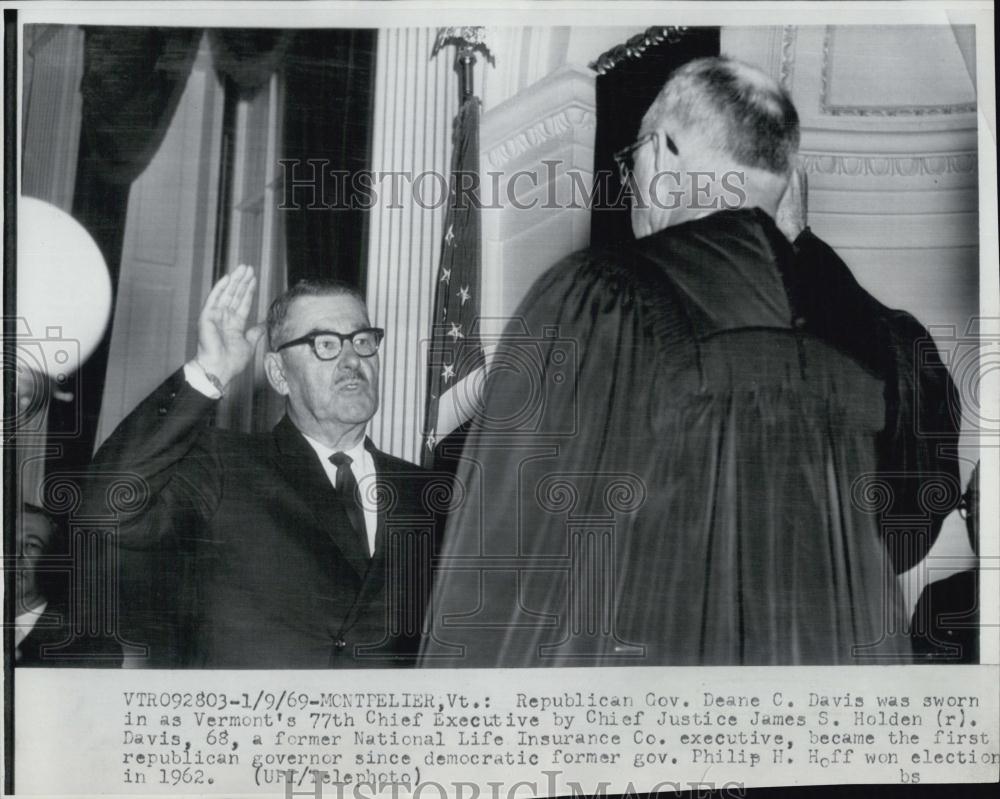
column 228, row 304
column 241, row 275
column 246, row 298
column 212, row 300
column 243, row 289
column 232, row 286
column 227, row 293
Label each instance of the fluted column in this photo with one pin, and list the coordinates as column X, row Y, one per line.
column 416, row 99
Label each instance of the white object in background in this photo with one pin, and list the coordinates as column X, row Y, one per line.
column 63, row 290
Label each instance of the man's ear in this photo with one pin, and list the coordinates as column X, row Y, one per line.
column 275, row 371
column 664, row 158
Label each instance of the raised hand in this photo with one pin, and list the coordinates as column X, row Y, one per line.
column 225, row 345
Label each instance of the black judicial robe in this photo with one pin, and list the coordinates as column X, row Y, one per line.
column 689, row 452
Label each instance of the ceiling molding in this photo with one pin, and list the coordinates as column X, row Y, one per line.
column 789, row 34
column 564, row 123
column 559, row 108
column 965, row 163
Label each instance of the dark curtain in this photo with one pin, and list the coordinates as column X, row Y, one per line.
column 624, row 93
column 248, row 57
column 329, row 89
column 132, row 82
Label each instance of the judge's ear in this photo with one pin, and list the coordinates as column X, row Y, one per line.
column 665, row 154
column 275, row 371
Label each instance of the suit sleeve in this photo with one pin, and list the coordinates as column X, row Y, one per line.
column 159, row 469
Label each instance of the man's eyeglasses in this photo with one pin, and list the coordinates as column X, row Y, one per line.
column 328, row 344
column 625, row 157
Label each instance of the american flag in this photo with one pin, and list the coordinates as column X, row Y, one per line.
column 455, row 357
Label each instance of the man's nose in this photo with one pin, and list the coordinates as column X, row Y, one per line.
column 349, row 359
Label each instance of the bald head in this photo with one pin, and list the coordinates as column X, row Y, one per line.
column 733, row 109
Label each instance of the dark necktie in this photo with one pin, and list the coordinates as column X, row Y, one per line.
column 347, row 487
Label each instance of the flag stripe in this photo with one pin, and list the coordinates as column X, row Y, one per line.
column 456, row 350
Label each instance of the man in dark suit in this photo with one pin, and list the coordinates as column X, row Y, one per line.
column 303, row 548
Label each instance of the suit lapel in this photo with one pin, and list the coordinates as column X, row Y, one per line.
column 380, row 470
column 372, row 599
column 300, row 465
column 388, row 486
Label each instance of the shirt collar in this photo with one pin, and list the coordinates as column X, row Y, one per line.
column 355, row 453
column 25, row 622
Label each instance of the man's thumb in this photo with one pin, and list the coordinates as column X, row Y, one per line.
column 255, row 334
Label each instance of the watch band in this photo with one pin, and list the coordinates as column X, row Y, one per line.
column 216, row 383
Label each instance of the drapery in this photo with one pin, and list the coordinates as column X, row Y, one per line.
column 329, row 91
column 248, row 57
column 623, row 93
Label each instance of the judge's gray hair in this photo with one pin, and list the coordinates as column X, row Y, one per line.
column 735, row 108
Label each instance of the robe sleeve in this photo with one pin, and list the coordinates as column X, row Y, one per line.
column 917, row 449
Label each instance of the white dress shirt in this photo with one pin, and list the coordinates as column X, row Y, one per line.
column 24, row 623
column 362, row 463
column 195, row 377
column 363, row 467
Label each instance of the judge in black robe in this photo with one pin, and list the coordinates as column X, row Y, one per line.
column 688, row 450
